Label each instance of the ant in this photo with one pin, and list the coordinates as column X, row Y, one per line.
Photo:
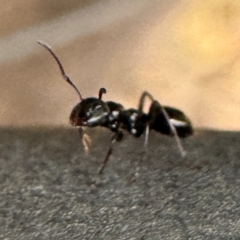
column 92, row 112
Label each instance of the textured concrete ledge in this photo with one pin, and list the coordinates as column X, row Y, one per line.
column 47, row 190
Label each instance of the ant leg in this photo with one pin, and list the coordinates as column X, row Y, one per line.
column 146, row 134
column 109, row 153
column 142, row 100
column 86, row 140
column 116, row 137
column 140, row 109
column 174, row 131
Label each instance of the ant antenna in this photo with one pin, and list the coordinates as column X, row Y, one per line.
column 61, row 67
column 101, row 92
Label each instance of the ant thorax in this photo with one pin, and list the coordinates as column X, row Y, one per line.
column 89, row 112
column 134, row 121
column 113, row 117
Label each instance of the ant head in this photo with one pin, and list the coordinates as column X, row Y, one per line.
column 89, row 112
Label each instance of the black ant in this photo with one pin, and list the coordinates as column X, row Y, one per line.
column 92, row 112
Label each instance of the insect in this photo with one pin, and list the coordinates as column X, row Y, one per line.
column 92, row 112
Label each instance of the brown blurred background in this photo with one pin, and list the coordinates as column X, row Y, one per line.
column 186, row 53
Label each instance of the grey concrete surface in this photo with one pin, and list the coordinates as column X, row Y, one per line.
column 47, row 190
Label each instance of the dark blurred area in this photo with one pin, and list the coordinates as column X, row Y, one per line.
column 184, row 52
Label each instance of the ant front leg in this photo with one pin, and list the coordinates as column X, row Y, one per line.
column 116, row 137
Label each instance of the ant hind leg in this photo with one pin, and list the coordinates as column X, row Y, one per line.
column 142, row 100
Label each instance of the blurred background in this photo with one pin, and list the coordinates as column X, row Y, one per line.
column 186, row 53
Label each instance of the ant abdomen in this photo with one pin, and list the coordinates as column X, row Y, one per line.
column 159, row 123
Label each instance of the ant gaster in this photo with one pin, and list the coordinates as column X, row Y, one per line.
column 92, row 112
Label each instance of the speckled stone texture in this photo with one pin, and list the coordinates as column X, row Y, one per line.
column 49, row 188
